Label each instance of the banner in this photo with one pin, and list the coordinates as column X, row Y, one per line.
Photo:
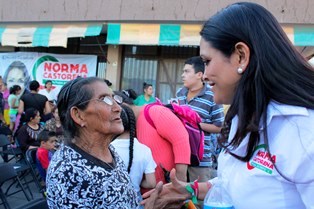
column 19, row 68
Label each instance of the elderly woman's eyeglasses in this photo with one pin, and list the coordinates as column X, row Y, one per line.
column 107, row 99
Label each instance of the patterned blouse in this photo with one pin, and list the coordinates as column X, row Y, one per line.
column 52, row 126
column 76, row 179
column 27, row 136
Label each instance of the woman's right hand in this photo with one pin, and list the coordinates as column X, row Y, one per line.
column 170, row 196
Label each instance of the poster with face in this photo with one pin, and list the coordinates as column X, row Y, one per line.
column 15, row 69
column 19, row 68
column 17, row 74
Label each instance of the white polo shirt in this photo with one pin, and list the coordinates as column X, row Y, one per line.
column 257, row 184
column 52, row 95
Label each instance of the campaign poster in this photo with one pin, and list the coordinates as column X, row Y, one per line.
column 19, row 68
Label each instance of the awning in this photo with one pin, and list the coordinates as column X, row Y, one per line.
column 300, row 35
column 154, row 34
column 45, row 35
column 185, row 34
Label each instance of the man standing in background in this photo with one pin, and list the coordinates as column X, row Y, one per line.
column 37, row 101
column 198, row 95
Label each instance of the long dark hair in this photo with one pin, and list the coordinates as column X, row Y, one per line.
column 27, row 116
column 14, row 89
column 276, row 71
column 129, row 123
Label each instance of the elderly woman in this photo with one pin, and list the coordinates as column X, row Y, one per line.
column 86, row 172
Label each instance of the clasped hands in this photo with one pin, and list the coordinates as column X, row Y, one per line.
column 171, row 196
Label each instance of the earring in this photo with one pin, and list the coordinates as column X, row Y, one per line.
column 240, row 70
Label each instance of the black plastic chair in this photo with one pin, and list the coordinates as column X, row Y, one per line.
column 31, row 160
column 21, row 166
column 7, row 149
column 9, row 173
column 31, row 156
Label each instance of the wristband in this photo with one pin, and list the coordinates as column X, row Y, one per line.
column 192, row 187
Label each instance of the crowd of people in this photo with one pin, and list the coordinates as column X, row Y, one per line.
column 25, row 117
column 110, row 156
column 123, row 148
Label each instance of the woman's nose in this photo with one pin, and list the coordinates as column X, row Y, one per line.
column 116, row 106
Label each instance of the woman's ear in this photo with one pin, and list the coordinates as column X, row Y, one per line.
column 77, row 116
column 243, row 53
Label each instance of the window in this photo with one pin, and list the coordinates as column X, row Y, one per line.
column 159, row 66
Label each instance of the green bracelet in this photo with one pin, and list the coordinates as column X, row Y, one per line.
column 191, row 190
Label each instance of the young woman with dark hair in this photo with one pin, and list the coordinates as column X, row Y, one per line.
column 136, row 156
column 29, row 129
column 147, row 96
column 268, row 135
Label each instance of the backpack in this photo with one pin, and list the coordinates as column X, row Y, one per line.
column 191, row 121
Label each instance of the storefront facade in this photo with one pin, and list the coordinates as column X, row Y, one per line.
column 135, row 41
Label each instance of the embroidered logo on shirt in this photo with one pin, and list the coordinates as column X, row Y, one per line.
column 262, row 160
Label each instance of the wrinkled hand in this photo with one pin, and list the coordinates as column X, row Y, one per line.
column 150, row 202
column 170, row 196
